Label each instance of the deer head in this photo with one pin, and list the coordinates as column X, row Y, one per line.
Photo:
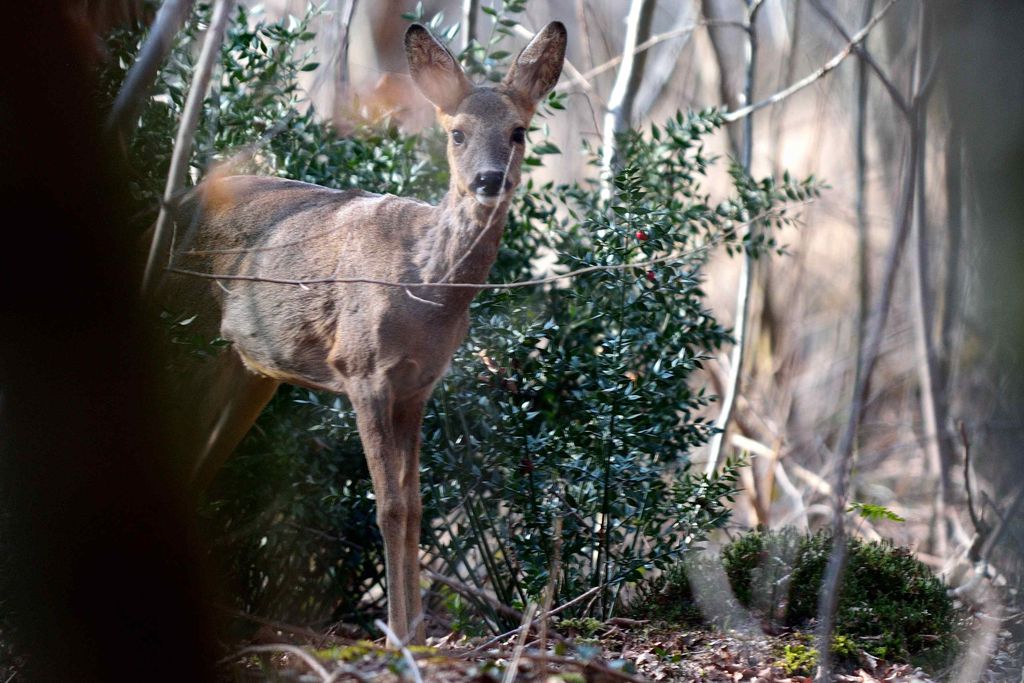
column 486, row 126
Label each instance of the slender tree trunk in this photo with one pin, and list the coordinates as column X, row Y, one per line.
column 828, row 600
column 469, row 12
column 619, row 115
column 743, row 287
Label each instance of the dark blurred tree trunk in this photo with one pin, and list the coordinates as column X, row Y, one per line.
column 985, row 90
column 103, row 570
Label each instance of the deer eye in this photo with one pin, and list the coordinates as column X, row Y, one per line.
column 458, row 137
column 518, row 136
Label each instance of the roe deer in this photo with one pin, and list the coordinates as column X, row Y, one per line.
column 385, row 347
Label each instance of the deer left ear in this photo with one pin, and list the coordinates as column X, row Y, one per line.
column 537, row 68
column 435, row 70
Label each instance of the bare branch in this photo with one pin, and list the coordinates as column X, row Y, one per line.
column 816, row 75
column 470, row 285
column 169, row 20
column 979, row 526
column 583, row 79
column 865, row 56
column 456, row 285
column 186, row 131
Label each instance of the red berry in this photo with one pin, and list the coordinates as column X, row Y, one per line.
column 641, row 235
column 651, row 276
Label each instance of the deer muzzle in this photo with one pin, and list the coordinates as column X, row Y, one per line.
column 489, row 186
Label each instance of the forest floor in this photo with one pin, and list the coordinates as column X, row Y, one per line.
column 620, row 651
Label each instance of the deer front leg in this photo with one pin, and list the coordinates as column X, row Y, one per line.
column 408, row 420
column 385, row 459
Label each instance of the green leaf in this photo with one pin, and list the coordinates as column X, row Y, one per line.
column 874, row 513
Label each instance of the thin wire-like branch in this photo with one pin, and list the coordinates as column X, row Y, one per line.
column 455, row 285
column 168, row 22
column 816, row 75
column 186, row 131
column 567, row 65
column 469, row 285
column 865, row 56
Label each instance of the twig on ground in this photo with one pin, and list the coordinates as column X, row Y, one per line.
column 517, row 653
column 407, row 657
column 310, row 661
column 498, row 638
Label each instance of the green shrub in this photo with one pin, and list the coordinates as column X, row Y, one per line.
column 890, row 604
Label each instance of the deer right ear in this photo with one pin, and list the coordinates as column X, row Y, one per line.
column 435, row 70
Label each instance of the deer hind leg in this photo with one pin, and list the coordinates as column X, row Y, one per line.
column 228, row 410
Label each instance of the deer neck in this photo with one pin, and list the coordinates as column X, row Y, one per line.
column 461, row 244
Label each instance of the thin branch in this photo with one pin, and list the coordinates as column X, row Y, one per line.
column 168, row 22
column 455, row 285
column 863, row 239
column 865, row 56
column 469, row 285
column 583, row 79
column 829, row 66
column 979, row 526
column 517, row 653
column 568, row 66
column 410, row 661
column 933, row 413
column 186, row 131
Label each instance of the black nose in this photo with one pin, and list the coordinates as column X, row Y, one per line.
column 488, row 183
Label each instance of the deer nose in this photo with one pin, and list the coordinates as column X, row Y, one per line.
column 488, row 183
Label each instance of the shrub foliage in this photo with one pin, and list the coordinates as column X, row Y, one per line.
column 890, row 604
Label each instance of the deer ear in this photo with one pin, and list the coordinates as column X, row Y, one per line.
column 434, row 70
column 537, row 68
